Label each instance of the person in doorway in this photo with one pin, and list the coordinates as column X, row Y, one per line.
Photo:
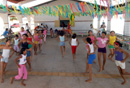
column 27, row 28
column 74, row 42
column 62, row 38
column 120, row 62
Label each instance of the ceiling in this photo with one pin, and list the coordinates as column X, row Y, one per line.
column 16, row 1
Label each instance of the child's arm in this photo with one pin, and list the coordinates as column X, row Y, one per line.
column 84, row 39
column 58, row 39
column 88, row 50
column 66, row 39
column 95, row 48
column 19, row 44
column 127, row 55
column 77, row 42
column 16, row 61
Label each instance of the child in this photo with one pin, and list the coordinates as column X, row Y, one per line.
column 102, row 42
column 45, row 34
column 91, row 49
column 36, row 40
column 74, row 42
column 112, row 38
column 30, row 38
column 120, row 62
column 16, row 41
column 24, row 44
column 51, row 32
column 62, row 38
column 40, row 40
column 22, row 71
column 5, row 57
column 93, row 38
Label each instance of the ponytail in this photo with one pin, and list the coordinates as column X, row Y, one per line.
column 89, row 40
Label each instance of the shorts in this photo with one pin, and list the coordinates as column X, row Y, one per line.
column 120, row 64
column 91, row 58
column 35, row 42
column 62, row 43
column 4, row 59
column 28, row 53
column 73, row 49
column 29, row 46
column 40, row 42
column 102, row 50
column 16, row 48
column 111, row 47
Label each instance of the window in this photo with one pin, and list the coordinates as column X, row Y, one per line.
column 95, row 22
column 117, row 24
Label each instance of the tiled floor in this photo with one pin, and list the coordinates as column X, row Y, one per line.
column 50, row 70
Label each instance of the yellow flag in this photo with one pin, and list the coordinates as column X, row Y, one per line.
column 14, row 9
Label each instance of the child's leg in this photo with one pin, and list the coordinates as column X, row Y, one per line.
column 22, row 83
column 61, row 50
column 99, row 61
column 31, row 54
column 110, row 56
column 120, row 70
column 5, row 65
column 104, row 60
column 124, row 72
column 29, row 63
column 87, row 64
column 24, row 76
column 45, row 38
column 90, row 73
column 2, row 71
column 64, row 49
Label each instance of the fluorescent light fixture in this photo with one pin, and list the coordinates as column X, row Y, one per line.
column 34, row 3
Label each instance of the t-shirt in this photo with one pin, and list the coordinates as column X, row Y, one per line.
column 16, row 41
column 102, row 42
column 5, row 33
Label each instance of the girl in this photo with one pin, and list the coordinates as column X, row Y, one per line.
column 16, row 41
column 30, row 38
column 5, row 57
column 112, row 38
column 25, row 44
column 74, row 42
column 36, row 40
column 22, row 71
column 120, row 62
column 22, row 32
column 93, row 38
column 102, row 42
column 45, row 34
column 62, row 38
column 40, row 40
column 51, row 32
column 91, row 49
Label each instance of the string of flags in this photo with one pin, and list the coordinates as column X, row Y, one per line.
column 72, row 10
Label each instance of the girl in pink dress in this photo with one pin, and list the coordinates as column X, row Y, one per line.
column 45, row 34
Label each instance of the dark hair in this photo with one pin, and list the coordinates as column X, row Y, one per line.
column 22, row 27
column 16, row 36
column 61, row 33
column 90, row 31
column 104, row 33
column 6, row 29
column 25, row 35
column 112, row 31
column 22, row 50
column 118, row 43
column 101, row 25
column 74, row 36
column 91, row 24
column 8, row 40
column 89, row 40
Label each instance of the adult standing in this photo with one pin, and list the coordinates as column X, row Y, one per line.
column 6, row 33
column 27, row 27
column 22, row 32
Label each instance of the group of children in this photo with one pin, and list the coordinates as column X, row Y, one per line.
column 23, row 44
column 100, row 43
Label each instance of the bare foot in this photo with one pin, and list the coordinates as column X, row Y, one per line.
column 64, row 53
column 100, row 69
column 94, row 62
column 2, row 80
column 88, row 80
column 123, row 83
column 23, row 84
column 12, row 80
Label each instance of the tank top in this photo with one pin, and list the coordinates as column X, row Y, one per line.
column 62, row 38
column 25, row 45
column 112, row 39
column 6, row 53
column 22, row 60
column 36, row 38
column 91, row 48
column 16, row 41
column 118, row 56
column 74, row 42
column 92, row 38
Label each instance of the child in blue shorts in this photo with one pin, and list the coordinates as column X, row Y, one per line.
column 91, row 48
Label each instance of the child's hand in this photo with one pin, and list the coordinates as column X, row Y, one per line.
column 122, row 61
column 18, row 66
column 1, row 56
column 9, row 57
